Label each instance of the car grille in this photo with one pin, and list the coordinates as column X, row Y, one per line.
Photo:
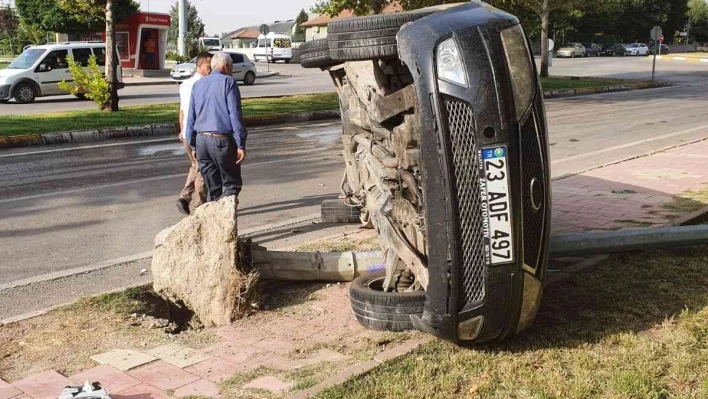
column 471, row 240
column 531, row 157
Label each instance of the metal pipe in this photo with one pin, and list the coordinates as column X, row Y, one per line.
column 627, row 240
column 316, row 266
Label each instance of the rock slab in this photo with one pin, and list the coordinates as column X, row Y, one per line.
column 199, row 264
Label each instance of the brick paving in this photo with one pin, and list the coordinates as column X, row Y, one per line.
column 626, row 195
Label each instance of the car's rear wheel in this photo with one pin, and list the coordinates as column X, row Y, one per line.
column 249, row 79
column 315, row 54
column 386, row 311
column 25, row 93
column 368, row 38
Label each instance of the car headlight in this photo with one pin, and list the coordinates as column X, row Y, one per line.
column 449, row 63
column 518, row 58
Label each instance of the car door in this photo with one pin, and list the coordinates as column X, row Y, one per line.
column 239, row 66
column 579, row 50
column 53, row 69
column 643, row 49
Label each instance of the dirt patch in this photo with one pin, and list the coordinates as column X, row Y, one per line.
column 357, row 240
column 65, row 339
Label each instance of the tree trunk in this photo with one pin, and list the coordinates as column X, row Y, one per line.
column 111, row 59
column 544, row 40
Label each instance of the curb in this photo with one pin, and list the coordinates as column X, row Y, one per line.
column 598, row 90
column 171, row 82
column 162, row 129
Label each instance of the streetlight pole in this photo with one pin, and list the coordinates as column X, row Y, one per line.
column 181, row 38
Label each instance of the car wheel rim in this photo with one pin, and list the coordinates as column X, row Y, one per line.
column 26, row 94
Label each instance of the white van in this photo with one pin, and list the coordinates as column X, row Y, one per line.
column 275, row 46
column 38, row 71
column 210, row 44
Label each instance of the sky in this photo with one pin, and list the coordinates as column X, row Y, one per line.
column 228, row 15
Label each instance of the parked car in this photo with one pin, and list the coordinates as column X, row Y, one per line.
column 637, row 49
column 613, row 50
column 592, row 50
column 664, row 49
column 571, row 50
column 467, row 240
column 38, row 71
column 244, row 69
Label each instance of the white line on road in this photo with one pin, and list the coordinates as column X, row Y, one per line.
column 632, row 144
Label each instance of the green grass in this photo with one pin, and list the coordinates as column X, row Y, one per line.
column 13, row 125
column 636, row 327
column 552, row 83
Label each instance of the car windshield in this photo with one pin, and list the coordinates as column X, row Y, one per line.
column 587, row 45
column 211, row 42
column 26, row 59
column 633, row 45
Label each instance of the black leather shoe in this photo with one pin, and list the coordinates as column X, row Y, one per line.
column 183, row 206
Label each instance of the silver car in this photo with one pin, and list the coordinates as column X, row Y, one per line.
column 244, row 70
column 571, row 50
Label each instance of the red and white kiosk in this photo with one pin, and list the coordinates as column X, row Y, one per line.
column 142, row 41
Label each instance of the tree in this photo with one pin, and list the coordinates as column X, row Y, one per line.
column 9, row 26
column 299, row 35
column 366, row 7
column 195, row 26
column 73, row 16
column 698, row 19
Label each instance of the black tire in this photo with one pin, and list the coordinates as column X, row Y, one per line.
column 336, row 211
column 315, row 54
column 368, row 38
column 25, row 93
column 572, row 55
column 249, row 79
column 384, row 311
column 287, row 61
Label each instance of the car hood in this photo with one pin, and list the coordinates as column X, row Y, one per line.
column 185, row 66
column 6, row 73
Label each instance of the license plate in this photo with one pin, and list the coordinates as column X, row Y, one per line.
column 496, row 206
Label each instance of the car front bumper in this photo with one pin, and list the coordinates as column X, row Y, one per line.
column 467, row 299
column 5, row 92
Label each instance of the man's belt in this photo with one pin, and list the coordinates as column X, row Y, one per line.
column 215, row 134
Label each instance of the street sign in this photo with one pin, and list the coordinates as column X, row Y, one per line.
column 661, row 38
column 656, row 33
column 264, row 29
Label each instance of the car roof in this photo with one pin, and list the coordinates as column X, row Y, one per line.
column 52, row 46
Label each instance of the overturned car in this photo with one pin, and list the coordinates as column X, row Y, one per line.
column 446, row 155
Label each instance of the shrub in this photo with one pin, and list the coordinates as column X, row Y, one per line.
column 174, row 56
column 90, row 84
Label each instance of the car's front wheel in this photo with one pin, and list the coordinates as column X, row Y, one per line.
column 386, row 311
column 249, row 79
column 25, row 93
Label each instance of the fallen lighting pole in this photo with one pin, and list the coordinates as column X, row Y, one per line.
column 627, row 240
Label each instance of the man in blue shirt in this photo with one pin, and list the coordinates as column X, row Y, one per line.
column 215, row 115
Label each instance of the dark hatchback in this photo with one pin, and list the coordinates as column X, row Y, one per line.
column 592, row 49
column 611, row 50
column 665, row 50
column 486, row 172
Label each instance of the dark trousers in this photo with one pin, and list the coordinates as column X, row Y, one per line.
column 216, row 157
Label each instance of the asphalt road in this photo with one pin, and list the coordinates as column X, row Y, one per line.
column 63, row 207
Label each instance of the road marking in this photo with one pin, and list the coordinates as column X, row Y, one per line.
column 632, row 144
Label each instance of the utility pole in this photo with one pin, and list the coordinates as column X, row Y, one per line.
column 181, row 38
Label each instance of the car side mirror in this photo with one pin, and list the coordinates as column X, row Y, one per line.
column 43, row 68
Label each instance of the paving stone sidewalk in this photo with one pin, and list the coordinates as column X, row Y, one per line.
column 626, row 195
